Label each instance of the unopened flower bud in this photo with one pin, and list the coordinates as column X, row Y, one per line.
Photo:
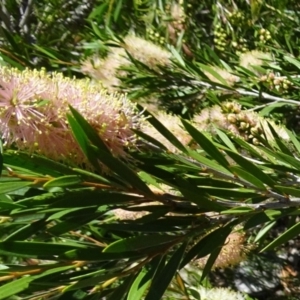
column 231, row 118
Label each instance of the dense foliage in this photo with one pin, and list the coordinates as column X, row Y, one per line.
column 149, row 150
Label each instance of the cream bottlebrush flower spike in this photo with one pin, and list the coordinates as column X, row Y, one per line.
column 227, row 76
column 219, row 294
column 33, row 108
column 254, row 58
column 107, row 70
column 232, row 253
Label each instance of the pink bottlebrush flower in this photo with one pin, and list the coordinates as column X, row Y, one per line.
column 33, row 108
column 20, row 95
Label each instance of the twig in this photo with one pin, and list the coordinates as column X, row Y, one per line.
column 25, row 17
column 4, row 16
column 254, row 93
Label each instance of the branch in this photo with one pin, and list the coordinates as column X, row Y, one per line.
column 254, row 93
column 5, row 17
column 25, row 16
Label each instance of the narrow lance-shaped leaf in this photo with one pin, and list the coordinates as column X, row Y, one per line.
column 280, row 144
column 138, row 243
column 162, row 129
column 14, row 185
column 225, row 139
column 35, row 164
column 214, row 74
column 250, row 167
column 102, row 153
column 83, row 142
column 207, row 145
column 63, row 181
column 252, row 179
column 121, row 291
column 163, row 278
column 140, row 284
column 14, row 287
column 283, row 238
column 208, row 243
column 210, row 262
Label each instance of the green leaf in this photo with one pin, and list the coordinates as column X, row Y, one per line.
column 92, row 176
column 26, row 231
column 139, row 243
column 292, row 61
column 197, row 196
column 214, row 74
column 238, row 210
column 248, row 147
column 294, row 139
column 289, row 190
column 293, row 162
column 121, row 291
column 239, row 193
column 262, row 217
column 83, row 142
column 270, row 107
column 63, row 181
column 207, row 163
column 207, row 145
column 1, row 157
column 48, row 53
column 241, row 172
column 206, row 245
column 34, row 249
column 150, row 139
column 177, row 56
column 78, row 212
column 5, row 205
column 251, row 168
column 163, row 278
column 88, row 130
column 74, row 221
column 103, row 153
column 266, row 228
column 225, row 139
column 14, row 185
column 280, row 144
column 162, row 129
column 140, row 285
column 210, row 262
column 99, row 11
column 14, row 287
column 37, row 165
column 117, row 10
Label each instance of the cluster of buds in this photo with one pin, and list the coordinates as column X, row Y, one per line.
column 177, row 25
column 240, row 46
column 220, row 37
column 178, row 15
column 236, row 18
column 264, row 35
column 278, row 83
column 155, row 36
column 245, row 124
